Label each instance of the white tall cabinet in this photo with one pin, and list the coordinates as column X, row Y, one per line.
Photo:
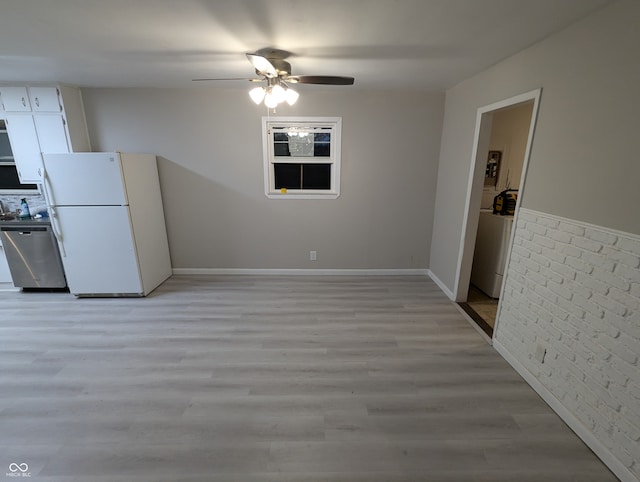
column 42, row 119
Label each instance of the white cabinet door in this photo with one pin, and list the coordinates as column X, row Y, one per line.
column 45, row 99
column 15, row 99
column 51, row 133
column 26, row 150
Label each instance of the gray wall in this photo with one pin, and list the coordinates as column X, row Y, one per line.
column 209, row 145
column 584, row 162
column 581, row 183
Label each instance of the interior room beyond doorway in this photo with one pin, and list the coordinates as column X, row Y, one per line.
column 505, row 156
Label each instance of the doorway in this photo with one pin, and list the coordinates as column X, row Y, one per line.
column 502, row 144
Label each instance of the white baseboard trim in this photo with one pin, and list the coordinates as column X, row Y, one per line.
column 574, row 424
column 296, row 272
column 441, row 285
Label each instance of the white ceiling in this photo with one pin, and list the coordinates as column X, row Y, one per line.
column 409, row 44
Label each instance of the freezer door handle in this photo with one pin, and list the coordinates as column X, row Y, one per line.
column 48, row 190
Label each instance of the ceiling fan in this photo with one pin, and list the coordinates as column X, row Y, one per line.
column 271, row 67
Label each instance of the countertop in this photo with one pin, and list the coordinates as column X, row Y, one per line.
column 28, row 221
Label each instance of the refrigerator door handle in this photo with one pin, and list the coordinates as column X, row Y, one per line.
column 52, row 212
column 56, row 231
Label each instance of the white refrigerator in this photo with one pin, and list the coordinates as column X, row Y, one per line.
column 106, row 212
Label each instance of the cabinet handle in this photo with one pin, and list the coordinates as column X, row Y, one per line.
column 37, row 102
column 24, row 102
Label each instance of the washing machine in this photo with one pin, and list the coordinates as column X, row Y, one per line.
column 490, row 255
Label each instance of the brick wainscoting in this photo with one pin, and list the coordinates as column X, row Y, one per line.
column 570, row 316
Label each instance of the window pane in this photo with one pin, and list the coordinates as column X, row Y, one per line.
column 5, row 147
column 316, row 176
column 281, row 149
column 9, row 179
column 322, row 144
column 287, row 176
column 321, row 149
column 301, row 146
column 280, row 136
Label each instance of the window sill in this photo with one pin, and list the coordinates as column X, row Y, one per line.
column 301, row 195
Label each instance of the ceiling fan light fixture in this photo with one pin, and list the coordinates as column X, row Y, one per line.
column 272, row 68
column 270, row 100
column 291, row 96
column 257, row 94
column 278, row 93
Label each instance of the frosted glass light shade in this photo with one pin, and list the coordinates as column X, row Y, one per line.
column 257, row 94
column 291, row 96
column 270, row 101
column 278, row 93
column 273, row 95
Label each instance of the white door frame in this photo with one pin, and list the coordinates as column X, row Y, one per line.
column 474, row 186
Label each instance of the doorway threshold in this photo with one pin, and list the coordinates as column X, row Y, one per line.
column 486, row 327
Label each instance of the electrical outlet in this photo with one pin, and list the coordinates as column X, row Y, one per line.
column 313, row 255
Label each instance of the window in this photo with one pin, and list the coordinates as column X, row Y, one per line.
column 9, row 180
column 301, row 157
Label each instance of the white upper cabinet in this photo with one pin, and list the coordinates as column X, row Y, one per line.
column 15, row 99
column 52, row 134
column 45, row 99
column 43, row 119
column 32, row 135
column 26, row 99
column 25, row 146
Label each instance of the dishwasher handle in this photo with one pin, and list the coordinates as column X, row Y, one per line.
column 22, row 229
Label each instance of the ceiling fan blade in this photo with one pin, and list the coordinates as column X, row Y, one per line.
column 320, row 79
column 262, row 65
column 229, row 78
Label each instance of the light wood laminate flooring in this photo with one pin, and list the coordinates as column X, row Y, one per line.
column 270, row 379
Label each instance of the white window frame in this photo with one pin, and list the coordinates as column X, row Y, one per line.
column 270, row 159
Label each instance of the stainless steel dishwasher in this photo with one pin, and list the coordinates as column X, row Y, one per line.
column 32, row 254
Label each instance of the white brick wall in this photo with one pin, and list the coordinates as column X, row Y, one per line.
column 574, row 290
